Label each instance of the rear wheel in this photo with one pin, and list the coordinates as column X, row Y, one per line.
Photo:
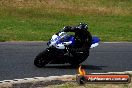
column 41, row 59
column 78, row 58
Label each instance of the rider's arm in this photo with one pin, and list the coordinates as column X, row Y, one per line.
column 67, row 29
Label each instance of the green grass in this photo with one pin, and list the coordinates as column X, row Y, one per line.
column 37, row 20
column 87, row 85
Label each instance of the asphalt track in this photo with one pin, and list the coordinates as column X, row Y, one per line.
column 16, row 60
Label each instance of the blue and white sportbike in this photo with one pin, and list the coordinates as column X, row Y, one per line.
column 58, row 53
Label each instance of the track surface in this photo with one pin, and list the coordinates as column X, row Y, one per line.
column 16, row 60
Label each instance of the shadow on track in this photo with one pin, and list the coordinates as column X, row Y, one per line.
column 88, row 67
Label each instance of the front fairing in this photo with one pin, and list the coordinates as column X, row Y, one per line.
column 61, row 40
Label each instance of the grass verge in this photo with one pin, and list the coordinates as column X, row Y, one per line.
column 37, row 20
column 100, row 85
column 75, row 85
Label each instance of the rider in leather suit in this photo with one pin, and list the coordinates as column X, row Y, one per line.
column 82, row 35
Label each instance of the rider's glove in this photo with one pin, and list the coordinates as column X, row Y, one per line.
column 66, row 28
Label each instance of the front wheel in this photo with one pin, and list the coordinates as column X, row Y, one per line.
column 41, row 59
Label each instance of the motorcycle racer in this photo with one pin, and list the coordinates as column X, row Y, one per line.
column 82, row 35
column 68, row 48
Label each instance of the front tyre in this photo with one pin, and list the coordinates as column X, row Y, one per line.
column 41, row 59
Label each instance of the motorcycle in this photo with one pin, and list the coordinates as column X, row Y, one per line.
column 58, row 52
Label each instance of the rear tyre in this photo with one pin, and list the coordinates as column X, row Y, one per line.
column 78, row 58
column 41, row 59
